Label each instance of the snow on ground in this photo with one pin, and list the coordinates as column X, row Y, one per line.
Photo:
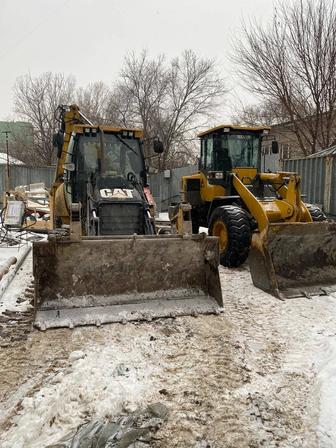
column 260, row 375
column 97, row 382
column 326, row 387
column 22, row 279
column 10, row 251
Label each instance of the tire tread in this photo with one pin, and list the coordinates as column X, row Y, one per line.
column 238, row 226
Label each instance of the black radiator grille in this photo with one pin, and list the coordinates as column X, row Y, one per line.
column 121, row 219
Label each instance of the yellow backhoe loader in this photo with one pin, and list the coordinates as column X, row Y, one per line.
column 291, row 246
column 104, row 261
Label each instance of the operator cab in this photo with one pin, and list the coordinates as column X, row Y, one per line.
column 229, row 148
column 105, row 173
column 106, row 157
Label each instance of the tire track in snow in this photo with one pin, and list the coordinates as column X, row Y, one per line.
column 246, row 378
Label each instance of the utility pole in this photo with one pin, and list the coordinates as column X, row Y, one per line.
column 7, row 152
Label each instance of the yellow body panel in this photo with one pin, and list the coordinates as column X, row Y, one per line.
column 255, row 207
column 61, row 207
column 245, row 174
column 208, row 191
column 80, row 129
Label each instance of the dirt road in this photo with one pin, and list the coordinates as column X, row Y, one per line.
column 259, row 375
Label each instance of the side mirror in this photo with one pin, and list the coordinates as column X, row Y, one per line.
column 275, row 147
column 158, row 146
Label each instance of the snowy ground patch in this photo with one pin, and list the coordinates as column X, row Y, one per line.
column 326, row 383
column 16, row 289
column 260, row 374
column 100, row 383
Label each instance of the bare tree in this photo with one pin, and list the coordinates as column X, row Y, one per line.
column 194, row 91
column 170, row 100
column 266, row 113
column 143, row 84
column 93, row 101
column 36, row 100
column 120, row 109
column 292, row 62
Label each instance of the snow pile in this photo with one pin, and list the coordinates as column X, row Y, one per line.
column 100, row 383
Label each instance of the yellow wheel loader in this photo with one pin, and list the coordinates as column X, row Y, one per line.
column 291, row 246
column 103, row 261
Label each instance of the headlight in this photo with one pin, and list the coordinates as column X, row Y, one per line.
column 219, row 176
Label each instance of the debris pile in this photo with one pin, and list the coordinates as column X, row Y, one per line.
column 136, row 430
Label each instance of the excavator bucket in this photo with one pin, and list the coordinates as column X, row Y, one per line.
column 101, row 280
column 295, row 260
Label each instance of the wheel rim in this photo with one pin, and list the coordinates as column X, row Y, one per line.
column 219, row 229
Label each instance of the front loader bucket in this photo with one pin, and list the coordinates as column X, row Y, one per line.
column 295, row 259
column 101, row 280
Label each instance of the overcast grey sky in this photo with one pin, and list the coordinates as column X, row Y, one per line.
column 89, row 38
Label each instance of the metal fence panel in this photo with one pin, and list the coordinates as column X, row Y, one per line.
column 166, row 186
column 312, row 172
column 314, row 175
column 24, row 175
column 333, row 190
column 318, row 181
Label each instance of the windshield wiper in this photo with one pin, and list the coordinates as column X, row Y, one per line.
column 126, row 144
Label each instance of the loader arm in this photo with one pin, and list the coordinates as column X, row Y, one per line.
column 290, row 208
column 290, row 256
column 70, row 116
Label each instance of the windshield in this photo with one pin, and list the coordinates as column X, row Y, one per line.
column 109, row 155
column 227, row 151
column 243, row 149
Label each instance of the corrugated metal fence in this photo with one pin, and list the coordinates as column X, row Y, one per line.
column 318, row 180
column 166, row 186
column 24, row 175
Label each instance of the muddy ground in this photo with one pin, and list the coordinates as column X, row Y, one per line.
column 258, row 375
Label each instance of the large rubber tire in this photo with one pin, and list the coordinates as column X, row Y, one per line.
column 238, row 234
column 316, row 213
